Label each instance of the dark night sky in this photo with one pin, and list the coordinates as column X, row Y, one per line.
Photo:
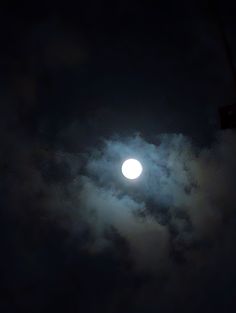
column 83, row 87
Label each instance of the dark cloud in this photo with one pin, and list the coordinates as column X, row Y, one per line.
column 180, row 193
column 79, row 231
column 81, row 91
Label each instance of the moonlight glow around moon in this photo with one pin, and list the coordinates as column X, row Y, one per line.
column 131, row 169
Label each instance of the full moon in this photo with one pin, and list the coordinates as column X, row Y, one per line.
column 131, row 169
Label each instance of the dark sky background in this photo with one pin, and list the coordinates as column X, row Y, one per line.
column 83, row 87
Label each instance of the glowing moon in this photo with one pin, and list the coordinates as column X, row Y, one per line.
column 131, row 169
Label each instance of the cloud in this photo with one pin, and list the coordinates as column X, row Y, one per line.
column 178, row 202
column 171, row 225
column 75, row 235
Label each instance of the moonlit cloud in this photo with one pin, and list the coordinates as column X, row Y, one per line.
column 180, row 199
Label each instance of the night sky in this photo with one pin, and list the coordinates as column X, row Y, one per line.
column 84, row 86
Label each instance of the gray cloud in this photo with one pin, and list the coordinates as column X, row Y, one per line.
column 184, row 196
column 179, row 212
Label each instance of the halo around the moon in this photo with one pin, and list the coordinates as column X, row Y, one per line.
column 131, row 169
